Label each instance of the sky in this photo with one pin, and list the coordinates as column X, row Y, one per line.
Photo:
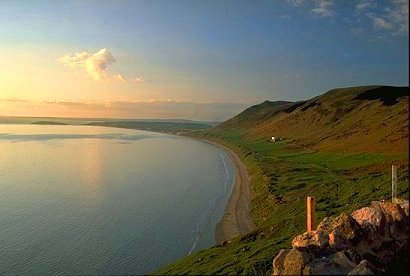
column 201, row 60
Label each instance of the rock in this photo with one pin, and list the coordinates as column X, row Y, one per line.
column 371, row 220
column 363, row 268
column 335, row 264
column 367, row 215
column 289, row 262
column 341, row 229
column 395, row 219
column 311, row 239
column 278, row 262
column 318, row 267
column 337, row 241
column 404, row 204
column 341, row 262
column 378, row 234
column 393, row 210
column 326, row 225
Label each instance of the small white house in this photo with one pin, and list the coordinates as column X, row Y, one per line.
column 275, row 139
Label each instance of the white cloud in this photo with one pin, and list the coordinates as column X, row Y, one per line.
column 393, row 17
column 398, row 14
column 98, row 63
column 381, row 23
column 95, row 65
column 323, row 7
column 138, row 79
column 75, row 60
column 389, row 16
column 295, row 2
column 118, row 77
column 364, row 4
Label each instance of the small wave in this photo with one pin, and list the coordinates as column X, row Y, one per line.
column 226, row 172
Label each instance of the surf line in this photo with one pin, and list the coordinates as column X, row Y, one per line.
column 208, row 214
column 226, row 171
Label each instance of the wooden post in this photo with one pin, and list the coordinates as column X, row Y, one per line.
column 393, row 183
column 311, row 206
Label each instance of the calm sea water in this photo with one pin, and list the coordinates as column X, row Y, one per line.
column 94, row 200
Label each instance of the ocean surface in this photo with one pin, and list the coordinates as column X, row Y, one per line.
column 95, row 200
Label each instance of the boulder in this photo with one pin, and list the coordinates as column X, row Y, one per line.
column 371, row 221
column 278, row 262
column 337, row 241
column 341, row 230
column 404, row 204
column 318, row 267
column 363, row 268
column 372, row 240
column 289, row 262
column 334, row 264
column 312, row 239
column 394, row 219
column 341, row 262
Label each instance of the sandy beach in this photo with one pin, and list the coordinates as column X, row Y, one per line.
column 237, row 219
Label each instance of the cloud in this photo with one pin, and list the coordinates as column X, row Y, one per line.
column 364, row 5
column 12, row 99
column 138, row 79
column 323, row 7
column 95, row 65
column 320, row 7
column 390, row 15
column 398, row 14
column 381, row 23
column 295, row 2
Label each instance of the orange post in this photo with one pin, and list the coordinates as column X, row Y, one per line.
column 311, row 206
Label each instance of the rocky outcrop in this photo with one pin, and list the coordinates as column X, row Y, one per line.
column 368, row 241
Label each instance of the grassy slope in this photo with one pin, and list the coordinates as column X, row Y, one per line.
column 368, row 118
column 342, row 173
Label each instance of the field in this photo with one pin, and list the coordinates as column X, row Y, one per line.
column 283, row 174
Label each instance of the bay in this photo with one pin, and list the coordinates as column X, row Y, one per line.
column 96, row 200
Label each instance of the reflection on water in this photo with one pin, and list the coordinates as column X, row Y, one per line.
column 91, row 166
column 94, row 200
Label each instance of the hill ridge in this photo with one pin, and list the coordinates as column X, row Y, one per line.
column 366, row 118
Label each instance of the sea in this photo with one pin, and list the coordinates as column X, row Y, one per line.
column 98, row 200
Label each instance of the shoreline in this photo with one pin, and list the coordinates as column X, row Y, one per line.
column 237, row 218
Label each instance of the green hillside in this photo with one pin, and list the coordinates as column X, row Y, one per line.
column 338, row 147
column 358, row 119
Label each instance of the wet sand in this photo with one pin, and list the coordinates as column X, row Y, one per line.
column 237, row 219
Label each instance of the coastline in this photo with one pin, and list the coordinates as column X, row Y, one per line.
column 237, row 218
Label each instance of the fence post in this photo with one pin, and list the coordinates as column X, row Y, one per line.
column 393, row 183
column 311, row 205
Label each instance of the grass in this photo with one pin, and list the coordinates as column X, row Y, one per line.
column 283, row 174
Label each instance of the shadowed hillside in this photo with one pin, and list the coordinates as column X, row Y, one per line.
column 357, row 119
